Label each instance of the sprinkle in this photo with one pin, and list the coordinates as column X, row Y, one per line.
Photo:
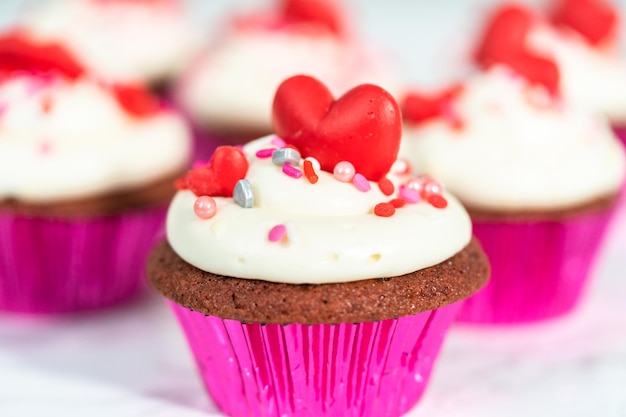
column 401, row 167
column 309, row 172
column 242, row 194
column 278, row 142
column 239, row 147
column 292, row 171
column 384, row 209
column 265, row 153
column 397, row 202
column 198, row 164
column 205, row 207
column 3, row 108
column 409, row 195
column 386, row 186
column 286, row 156
column 45, row 147
column 415, row 184
column 277, row 233
column 438, row 201
column 430, row 187
column 46, row 104
column 315, row 163
column 344, row 171
column 361, row 183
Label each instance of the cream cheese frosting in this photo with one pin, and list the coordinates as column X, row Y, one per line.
column 517, row 150
column 590, row 77
column 332, row 234
column 233, row 85
column 124, row 41
column 62, row 139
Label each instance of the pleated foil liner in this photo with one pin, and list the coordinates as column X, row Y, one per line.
column 539, row 270
column 54, row 265
column 377, row 369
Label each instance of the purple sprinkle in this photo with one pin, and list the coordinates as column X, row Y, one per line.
column 292, row 171
column 361, row 183
column 409, row 195
column 265, row 153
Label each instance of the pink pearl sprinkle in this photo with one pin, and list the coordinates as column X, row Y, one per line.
column 344, row 171
column 432, row 187
column 409, row 195
column 265, row 153
column 415, row 184
column 292, row 171
column 361, row 183
column 277, row 233
column 278, row 142
column 205, row 207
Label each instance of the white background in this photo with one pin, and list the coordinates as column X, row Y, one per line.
column 133, row 361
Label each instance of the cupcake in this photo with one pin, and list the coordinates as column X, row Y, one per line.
column 86, row 171
column 228, row 91
column 538, row 177
column 125, row 41
column 572, row 51
column 317, row 286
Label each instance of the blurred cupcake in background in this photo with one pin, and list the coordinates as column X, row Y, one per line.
column 146, row 41
column 86, row 172
column 228, row 92
column 305, row 283
column 571, row 50
column 538, row 177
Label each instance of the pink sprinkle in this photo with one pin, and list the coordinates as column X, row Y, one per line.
column 278, row 142
column 265, row 153
column 3, row 108
column 198, row 164
column 409, row 195
column 277, row 233
column 361, row 183
column 240, row 147
column 45, row 147
column 292, row 171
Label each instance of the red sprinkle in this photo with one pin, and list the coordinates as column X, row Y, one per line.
column 309, row 172
column 136, row 100
column 437, row 201
column 384, row 209
column 386, row 186
column 397, row 202
column 596, row 20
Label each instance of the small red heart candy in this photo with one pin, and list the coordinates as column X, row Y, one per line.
column 419, row 108
column 596, row 20
column 363, row 127
column 322, row 13
column 504, row 42
column 219, row 177
column 20, row 53
column 136, row 100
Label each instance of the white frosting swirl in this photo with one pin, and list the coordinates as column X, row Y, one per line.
column 590, row 77
column 333, row 236
column 516, row 150
column 233, row 85
column 83, row 145
column 124, row 41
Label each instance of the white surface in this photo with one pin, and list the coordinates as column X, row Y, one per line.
column 133, row 361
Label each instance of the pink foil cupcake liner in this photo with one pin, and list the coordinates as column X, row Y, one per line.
column 539, row 270
column 54, row 265
column 377, row 369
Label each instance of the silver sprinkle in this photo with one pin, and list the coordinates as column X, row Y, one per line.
column 286, row 156
column 242, row 194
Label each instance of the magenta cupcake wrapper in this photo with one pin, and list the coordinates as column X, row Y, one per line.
column 377, row 369
column 539, row 270
column 54, row 265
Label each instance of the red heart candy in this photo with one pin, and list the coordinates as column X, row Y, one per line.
column 322, row 13
column 419, row 108
column 219, row 177
column 136, row 100
column 363, row 127
column 20, row 53
column 596, row 20
column 504, row 42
